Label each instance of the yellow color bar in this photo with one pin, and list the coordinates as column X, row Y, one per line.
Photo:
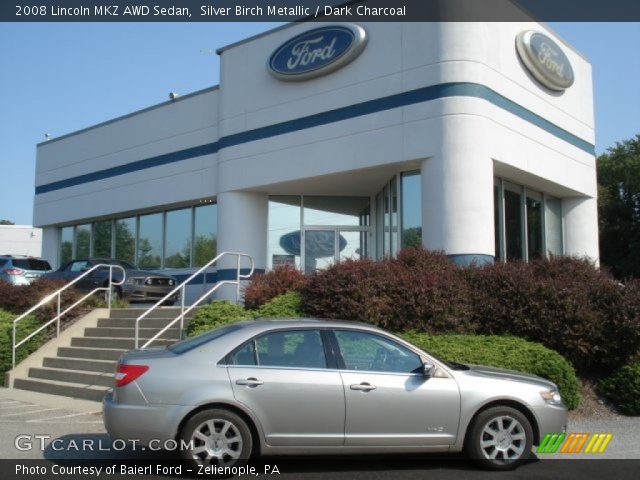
column 607, row 439
column 591, row 442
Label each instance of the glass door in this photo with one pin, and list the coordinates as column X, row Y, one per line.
column 323, row 246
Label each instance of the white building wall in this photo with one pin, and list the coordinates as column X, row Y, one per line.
column 20, row 240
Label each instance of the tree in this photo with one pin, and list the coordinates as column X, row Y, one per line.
column 619, row 208
column 6, row 222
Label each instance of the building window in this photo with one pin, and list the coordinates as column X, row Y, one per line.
column 66, row 245
column 205, row 234
column 527, row 223
column 177, row 241
column 125, row 239
column 179, row 238
column 284, row 237
column 102, row 239
column 411, row 206
column 149, row 249
column 83, row 241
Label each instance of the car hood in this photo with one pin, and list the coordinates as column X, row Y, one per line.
column 145, row 273
column 509, row 375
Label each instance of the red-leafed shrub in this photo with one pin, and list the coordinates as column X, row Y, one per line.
column 566, row 304
column 18, row 299
column 265, row 286
column 416, row 290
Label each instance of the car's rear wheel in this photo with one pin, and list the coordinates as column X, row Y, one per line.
column 500, row 438
column 217, row 437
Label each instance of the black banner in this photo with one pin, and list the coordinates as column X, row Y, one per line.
column 317, row 10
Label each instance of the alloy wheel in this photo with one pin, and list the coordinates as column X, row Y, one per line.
column 216, row 439
column 503, row 438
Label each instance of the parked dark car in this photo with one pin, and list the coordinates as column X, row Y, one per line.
column 22, row 270
column 139, row 286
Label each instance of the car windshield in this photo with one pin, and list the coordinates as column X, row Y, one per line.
column 31, row 264
column 194, row 342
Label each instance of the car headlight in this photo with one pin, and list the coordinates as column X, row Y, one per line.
column 172, row 282
column 148, row 281
column 552, row 397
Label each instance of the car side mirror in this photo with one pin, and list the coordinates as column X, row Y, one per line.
column 427, row 370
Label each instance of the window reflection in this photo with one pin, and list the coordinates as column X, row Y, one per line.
column 534, row 224
column 351, row 211
column 513, row 223
column 125, row 242
column 178, row 239
column 83, row 241
column 150, row 241
column 102, row 239
column 411, row 209
column 66, row 245
column 205, row 234
column 284, row 232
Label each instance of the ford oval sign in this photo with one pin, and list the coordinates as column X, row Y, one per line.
column 545, row 60
column 317, row 52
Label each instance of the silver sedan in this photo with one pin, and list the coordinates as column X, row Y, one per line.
column 312, row 386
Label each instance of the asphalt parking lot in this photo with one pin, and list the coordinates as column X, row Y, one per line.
column 47, row 420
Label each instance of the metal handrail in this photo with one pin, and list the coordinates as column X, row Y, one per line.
column 182, row 287
column 60, row 314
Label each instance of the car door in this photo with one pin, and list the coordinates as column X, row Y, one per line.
column 389, row 401
column 286, row 378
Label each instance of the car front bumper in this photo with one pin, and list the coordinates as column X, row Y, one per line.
column 551, row 419
column 146, row 293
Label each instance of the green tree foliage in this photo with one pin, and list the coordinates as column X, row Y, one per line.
column 6, row 222
column 619, row 208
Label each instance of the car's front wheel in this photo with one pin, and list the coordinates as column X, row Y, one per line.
column 500, row 438
column 217, row 437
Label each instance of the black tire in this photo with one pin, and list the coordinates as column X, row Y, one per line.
column 216, row 446
column 509, row 448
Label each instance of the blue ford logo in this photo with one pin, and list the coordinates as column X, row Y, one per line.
column 322, row 243
column 545, row 60
column 317, row 52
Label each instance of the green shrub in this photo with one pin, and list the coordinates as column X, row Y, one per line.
column 623, row 388
column 24, row 328
column 214, row 315
column 504, row 352
column 282, row 306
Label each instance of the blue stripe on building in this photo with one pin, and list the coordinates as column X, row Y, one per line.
column 403, row 99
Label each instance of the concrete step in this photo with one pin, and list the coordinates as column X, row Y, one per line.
column 67, row 389
column 73, row 376
column 157, row 323
column 129, row 332
column 109, row 342
column 162, row 312
column 91, row 353
column 102, row 366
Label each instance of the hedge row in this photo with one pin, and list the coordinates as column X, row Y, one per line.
column 23, row 329
column 20, row 298
column 623, row 388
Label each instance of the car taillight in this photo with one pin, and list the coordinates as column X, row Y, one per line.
column 13, row 271
column 128, row 373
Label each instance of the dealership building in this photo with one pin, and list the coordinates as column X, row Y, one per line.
column 332, row 141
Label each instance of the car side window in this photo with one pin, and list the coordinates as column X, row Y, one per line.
column 78, row 266
column 291, row 348
column 245, row 355
column 375, row 353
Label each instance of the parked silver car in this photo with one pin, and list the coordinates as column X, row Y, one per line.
column 313, row 386
column 21, row 269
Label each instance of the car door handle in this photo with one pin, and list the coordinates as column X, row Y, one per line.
column 364, row 386
column 251, row 382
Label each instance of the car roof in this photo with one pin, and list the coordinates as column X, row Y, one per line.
column 262, row 323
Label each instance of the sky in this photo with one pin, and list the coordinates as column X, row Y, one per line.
column 56, row 78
